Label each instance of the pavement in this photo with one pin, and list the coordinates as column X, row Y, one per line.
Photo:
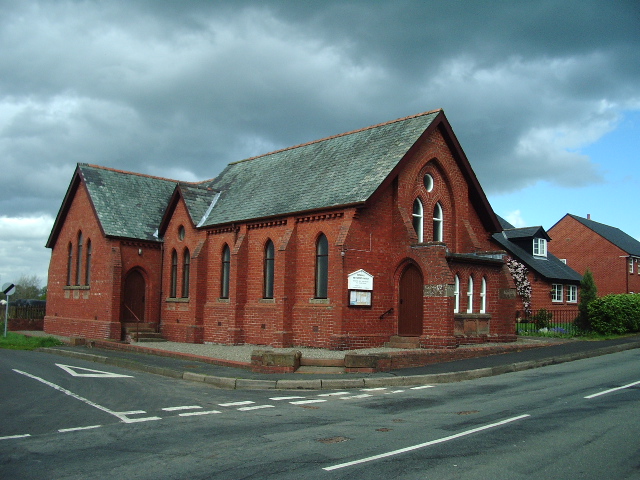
column 227, row 366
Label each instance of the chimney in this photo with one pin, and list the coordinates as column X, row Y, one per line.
column 588, row 216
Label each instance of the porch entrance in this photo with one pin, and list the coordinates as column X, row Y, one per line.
column 410, row 309
column 133, row 298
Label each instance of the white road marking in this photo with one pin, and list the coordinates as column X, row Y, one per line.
column 422, row 386
column 235, row 404
column 334, row 394
column 284, row 398
column 612, row 390
column 373, row 389
column 64, row 430
column 193, row 414
column 304, row 402
column 70, row 369
column 122, row 416
column 362, row 395
column 256, row 407
column 394, row 391
column 426, row 444
column 185, row 407
column 11, row 437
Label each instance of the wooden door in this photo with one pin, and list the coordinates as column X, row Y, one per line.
column 410, row 307
column 133, row 298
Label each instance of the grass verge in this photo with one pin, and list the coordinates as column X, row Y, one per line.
column 16, row 341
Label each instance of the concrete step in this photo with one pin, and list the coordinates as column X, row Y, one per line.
column 311, row 369
column 403, row 342
column 322, row 362
column 150, row 339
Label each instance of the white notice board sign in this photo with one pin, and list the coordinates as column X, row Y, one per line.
column 360, row 280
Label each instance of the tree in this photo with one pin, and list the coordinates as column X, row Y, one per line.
column 27, row 286
column 588, row 293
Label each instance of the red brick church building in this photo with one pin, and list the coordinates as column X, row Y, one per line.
column 339, row 243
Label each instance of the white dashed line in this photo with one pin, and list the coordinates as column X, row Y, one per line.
column 285, row 398
column 362, row 395
column 256, row 407
column 235, row 404
column 64, row 430
column 612, row 390
column 185, row 407
column 394, row 391
column 193, row 414
column 304, row 402
column 373, row 389
column 11, row 437
column 334, row 394
column 422, row 386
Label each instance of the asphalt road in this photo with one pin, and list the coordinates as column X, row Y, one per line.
column 64, row 418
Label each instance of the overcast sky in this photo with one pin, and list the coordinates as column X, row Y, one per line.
column 543, row 96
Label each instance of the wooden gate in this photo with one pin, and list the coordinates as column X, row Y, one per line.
column 133, row 306
column 410, row 302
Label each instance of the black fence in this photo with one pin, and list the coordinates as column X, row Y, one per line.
column 27, row 312
column 548, row 321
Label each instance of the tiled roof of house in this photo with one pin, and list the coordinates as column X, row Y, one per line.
column 614, row 235
column 341, row 170
column 549, row 267
column 127, row 204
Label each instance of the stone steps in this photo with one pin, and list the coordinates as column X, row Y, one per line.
column 407, row 343
column 321, row 365
column 142, row 332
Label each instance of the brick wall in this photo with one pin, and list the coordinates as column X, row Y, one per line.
column 94, row 310
column 583, row 248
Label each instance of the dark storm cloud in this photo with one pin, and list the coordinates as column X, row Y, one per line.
column 180, row 89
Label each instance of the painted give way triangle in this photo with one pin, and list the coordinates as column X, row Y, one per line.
column 87, row 372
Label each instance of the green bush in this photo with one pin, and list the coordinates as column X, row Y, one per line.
column 615, row 314
column 542, row 318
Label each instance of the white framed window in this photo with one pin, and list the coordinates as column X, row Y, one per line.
column 630, row 264
column 418, row 219
column 456, row 294
column 438, row 223
column 556, row 292
column 540, row 247
column 470, row 296
column 572, row 294
column 483, row 296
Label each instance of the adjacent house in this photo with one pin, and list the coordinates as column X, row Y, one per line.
column 340, row 243
column 612, row 255
column 554, row 285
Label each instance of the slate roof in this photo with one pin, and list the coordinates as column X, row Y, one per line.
column 549, row 267
column 614, row 235
column 128, row 205
column 341, row 170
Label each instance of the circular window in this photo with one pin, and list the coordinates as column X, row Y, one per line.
column 181, row 232
column 428, row 182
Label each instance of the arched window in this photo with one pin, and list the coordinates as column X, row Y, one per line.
column 322, row 266
column 79, row 260
column 87, row 268
column 173, row 289
column 186, row 272
column 269, row 258
column 470, row 296
column 69, row 263
column 226, row 269
column 418, row 219
column 456, row 294
column 438, row 221
column 483, row 295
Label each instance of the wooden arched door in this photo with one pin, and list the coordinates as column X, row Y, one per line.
column 133, row 306
column 410, row 308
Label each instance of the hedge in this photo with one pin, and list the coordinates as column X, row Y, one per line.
column 615, row 314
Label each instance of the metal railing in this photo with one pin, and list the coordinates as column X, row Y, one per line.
column 547, row 321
